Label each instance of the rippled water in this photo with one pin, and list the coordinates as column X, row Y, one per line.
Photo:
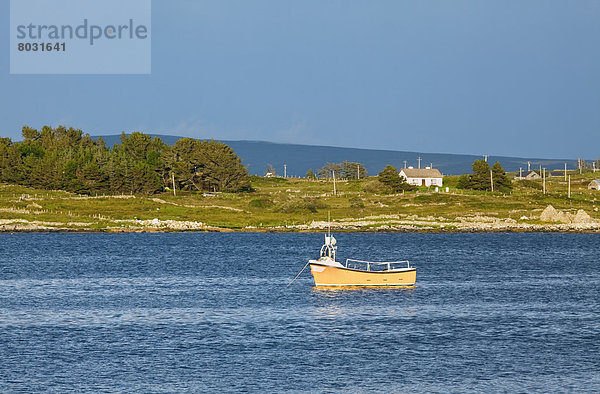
column 211, row 312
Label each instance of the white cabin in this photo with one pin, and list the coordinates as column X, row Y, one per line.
column 422, row 176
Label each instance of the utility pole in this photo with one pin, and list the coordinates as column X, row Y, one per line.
column 528, row 167
column 173, row 178
column 569, row 186
column 492, row 180
column 285, row 170
column 404, row 163
column 334, row 191
column 419, row 159
column 520, row 172
column 485, row 158
column 358, row 171
column 544, row 180
column 430, row 165
column 565, row 171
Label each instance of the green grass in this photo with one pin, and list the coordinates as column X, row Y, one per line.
column 280, row 202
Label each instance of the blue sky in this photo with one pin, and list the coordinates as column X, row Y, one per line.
column 518, row 78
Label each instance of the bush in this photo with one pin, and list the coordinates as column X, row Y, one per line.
column 528, row 183
column 376, row 187
column 356, row 202
column 261, row 203
column 463, row 181
column 304, row 204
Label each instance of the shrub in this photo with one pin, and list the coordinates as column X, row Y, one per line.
column 261, row 203
column 303, row 204
column 528, row 183
column 356, row 202
column 376, row 187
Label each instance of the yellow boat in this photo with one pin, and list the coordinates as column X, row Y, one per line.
column 328, row 272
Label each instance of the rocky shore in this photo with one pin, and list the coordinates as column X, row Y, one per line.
column 550, row 220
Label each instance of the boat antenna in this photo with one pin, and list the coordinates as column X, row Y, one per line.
column 329, row 223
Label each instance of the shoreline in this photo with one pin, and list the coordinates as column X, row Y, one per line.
column 548, row 229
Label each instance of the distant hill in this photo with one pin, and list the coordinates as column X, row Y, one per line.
column 256, row 155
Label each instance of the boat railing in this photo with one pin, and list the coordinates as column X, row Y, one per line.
column 376, row 266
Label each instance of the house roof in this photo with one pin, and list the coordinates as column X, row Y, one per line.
column 526, row 174
column 421, row 172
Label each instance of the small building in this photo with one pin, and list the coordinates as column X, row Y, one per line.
column 530, row 176
column 422, row 176
column 594, row 185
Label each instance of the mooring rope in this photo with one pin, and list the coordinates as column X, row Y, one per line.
column 298, row 274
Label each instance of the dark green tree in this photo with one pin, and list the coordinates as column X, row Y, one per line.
column 464, row 181
column 501, row 181
column 391, row 178
column 351, row 170
column 480, row 178
column 208, row 165
column 310, row 174
column 66, row 158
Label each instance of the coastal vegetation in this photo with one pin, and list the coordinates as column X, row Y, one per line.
column 67, row 159
column 299, row 204
column 59, row 179
column 389, row 177
column 486, row 178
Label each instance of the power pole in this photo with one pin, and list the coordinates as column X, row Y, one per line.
column 173, row 178
column 565, row 171
column 485, row 158
column 334, row 191
column 285, row 170
column 544, row 180
column 528, row 167
column 520, row 172
column 404, row 163
column 492, row 180
column 569, row 186
column 358, row 171
column 419, row 159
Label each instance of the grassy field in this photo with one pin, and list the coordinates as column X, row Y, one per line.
column 291, row 205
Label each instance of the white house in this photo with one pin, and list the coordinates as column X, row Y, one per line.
column 422, row 176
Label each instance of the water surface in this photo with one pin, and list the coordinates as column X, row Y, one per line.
column 211, row 312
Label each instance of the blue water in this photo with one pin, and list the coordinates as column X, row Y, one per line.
column 211, row 312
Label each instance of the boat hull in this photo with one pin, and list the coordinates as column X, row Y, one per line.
column 325, row 275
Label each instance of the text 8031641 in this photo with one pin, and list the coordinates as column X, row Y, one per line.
column 42, row 47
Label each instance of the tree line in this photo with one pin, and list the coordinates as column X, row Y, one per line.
column 67, row 159
column 483, row 177
column 344, row 170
